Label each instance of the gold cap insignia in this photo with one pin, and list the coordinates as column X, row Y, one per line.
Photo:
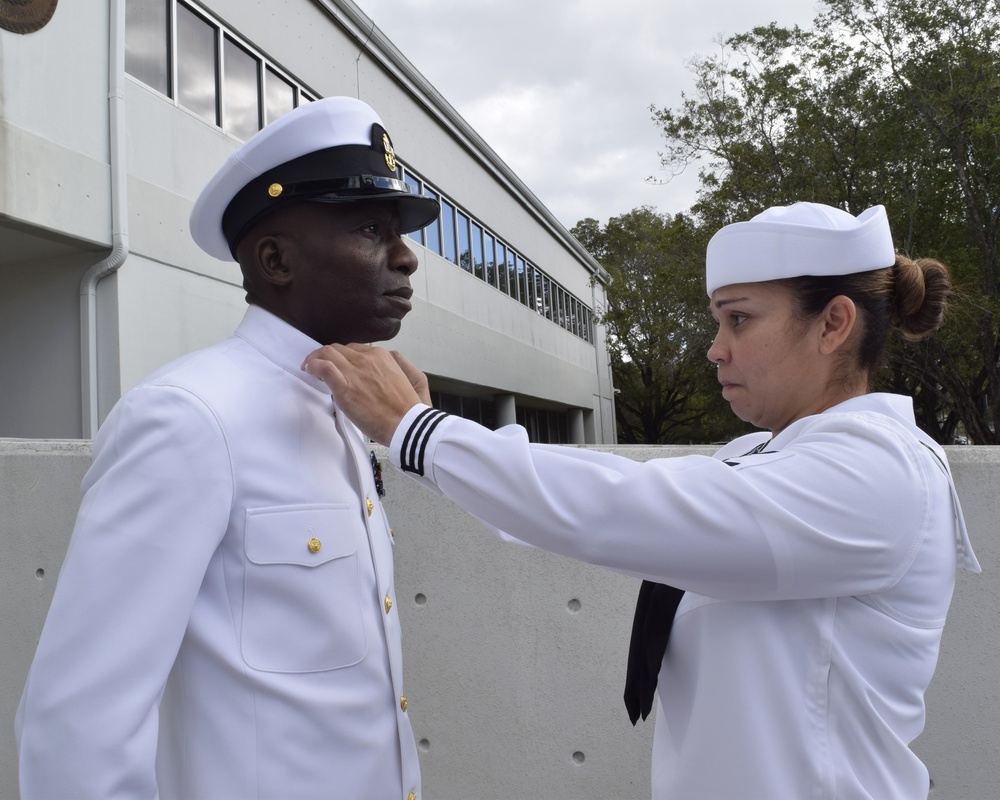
column 390, row 156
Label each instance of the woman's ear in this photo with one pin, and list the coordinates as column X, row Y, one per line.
column 838, row 320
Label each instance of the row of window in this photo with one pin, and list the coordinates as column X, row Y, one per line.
column 185, row 55
column 465, row 241
column 543, row 425
column 181, row 53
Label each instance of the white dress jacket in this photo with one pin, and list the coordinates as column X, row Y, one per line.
column 818, row 576
column 224, row 625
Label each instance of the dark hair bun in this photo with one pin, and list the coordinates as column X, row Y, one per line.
column 920, row 296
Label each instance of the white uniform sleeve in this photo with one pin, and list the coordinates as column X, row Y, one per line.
column 838, row 512
column 155, row 507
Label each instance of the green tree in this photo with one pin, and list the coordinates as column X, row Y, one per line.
column 891, row 102
column 659, row 328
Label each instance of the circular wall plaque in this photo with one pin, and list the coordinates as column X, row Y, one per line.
column 26, row 16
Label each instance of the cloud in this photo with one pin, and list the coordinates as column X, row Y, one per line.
column 561, row 91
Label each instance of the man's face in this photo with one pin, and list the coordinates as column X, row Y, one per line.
column 349, row 271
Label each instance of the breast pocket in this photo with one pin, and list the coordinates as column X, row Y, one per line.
column 302, row 593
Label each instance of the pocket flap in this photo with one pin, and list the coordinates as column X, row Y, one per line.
column 303, row 535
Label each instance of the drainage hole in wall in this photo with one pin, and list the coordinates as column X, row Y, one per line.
column 578, row 757
column 573, row 606
column 39, row 573
column 424, row 745
column 420, row 599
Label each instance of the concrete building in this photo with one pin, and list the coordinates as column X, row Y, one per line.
column 112, row 118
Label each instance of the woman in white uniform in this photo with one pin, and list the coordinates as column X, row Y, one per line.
column 816, row 559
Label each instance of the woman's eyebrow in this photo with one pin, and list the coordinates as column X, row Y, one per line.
column 727, row 301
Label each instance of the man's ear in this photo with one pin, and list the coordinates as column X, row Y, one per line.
column 838, row 321
column 270, row 260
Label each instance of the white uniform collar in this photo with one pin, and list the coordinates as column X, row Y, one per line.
column 280, row 343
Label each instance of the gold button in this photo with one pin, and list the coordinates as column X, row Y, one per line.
column 275, row 189
column 370, row 504
column 411, row 796
column 392, row 533
column 403, row 702
column 315, row 545
column 388, row 604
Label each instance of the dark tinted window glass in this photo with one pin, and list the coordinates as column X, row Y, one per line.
column 477, row 252
column 279, row 96
column 147, row 43
column 196, row 59
column 513, row 284
column 448, row 231
column 489, row 258
column 240, row 91
column 502, row 268
column 464, row 251
column 522, row 289
column 414, row 184
column 432, row 232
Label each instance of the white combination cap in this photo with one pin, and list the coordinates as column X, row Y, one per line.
column 796, row 240
column 333, row 151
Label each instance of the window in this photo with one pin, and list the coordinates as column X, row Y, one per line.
column 513, row 283
column 489, row 258
column 207, row 69
column 502, row 268
column 414, row 184
column 522, row 286
column 433, row 231
column 240, row 91
column 478, row 409
column 279, row 96
column 448, row 231
column 477, row 252
column 464, row 250
column 147, row 45
column 196, row 59
column 543, row 425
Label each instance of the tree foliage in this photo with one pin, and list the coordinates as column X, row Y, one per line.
column 657, row 333
column 892, row 102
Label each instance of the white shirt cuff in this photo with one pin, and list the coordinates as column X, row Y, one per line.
column 411, row 443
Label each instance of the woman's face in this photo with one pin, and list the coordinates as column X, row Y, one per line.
column 769, row 362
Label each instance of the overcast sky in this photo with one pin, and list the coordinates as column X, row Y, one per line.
column 561, row 89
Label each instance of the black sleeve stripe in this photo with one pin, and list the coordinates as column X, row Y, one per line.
column 411, row 454
column 417, row 429
column 409, row 433
column 425, row 438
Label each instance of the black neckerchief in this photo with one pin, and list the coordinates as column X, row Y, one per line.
column 655, row 609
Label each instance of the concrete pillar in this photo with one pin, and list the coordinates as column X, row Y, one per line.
column 506, row 410
column 576, row 434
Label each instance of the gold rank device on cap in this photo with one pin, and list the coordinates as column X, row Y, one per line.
column 797, row 240
column 333, row 151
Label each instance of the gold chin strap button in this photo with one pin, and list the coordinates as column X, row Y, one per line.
column 314, row 545
column 388, row 604
column 275, row 189
column 370, row 505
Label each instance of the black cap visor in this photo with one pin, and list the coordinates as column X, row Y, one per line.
column 415, row 210
column 351, row 173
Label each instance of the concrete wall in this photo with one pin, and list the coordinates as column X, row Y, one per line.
column 514, row 657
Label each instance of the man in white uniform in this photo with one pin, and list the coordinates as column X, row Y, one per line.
column 224, row 625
